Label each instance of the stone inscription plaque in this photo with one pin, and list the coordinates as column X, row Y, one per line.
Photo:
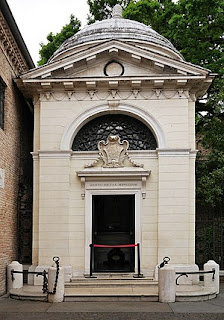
column 114, row 185
column 2, row 178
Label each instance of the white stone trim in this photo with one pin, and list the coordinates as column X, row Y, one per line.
column 48, row 154
column 173, row 152
column 92, row 155
column 193, row 154
column 134, row 111
column 130, row 178
column 35, row 156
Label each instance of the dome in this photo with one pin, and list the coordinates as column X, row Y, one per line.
column 115, row 28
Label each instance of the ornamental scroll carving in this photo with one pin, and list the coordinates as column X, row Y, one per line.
column 113, row 153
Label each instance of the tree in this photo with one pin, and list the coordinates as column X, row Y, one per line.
column 197, row 30
column 155, row 13
column 54, row 41
column 210, row 165
column 101, row 9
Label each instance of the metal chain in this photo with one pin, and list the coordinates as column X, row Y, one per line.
column 165, row 261
column 45, row 280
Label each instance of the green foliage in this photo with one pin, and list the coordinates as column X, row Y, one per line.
column 210, row 165
column 197, row 29
column 101, row 9
column 54, row 41
column 155, row 13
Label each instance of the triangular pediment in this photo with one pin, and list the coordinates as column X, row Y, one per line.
column 136, row 62
column 113, row 67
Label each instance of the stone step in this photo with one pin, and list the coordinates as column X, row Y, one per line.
column 112, row 293
column 105, row 277
column 95, row 283
column 34, row 293
column 116, row 287
column 194, row 293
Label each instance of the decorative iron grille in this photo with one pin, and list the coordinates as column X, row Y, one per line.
column 137, row 133
column 209, row 235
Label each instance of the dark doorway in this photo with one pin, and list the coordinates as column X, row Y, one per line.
column 114, row 224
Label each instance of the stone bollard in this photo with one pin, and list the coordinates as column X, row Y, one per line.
column 17, row 283
column 167, row 284
column 60, row 290
column 208, row 278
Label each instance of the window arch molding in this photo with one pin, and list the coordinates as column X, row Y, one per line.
column 94, row 112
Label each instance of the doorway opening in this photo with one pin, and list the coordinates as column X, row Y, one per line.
column 113, row 224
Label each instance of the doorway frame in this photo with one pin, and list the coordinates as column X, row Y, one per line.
column 88, row 217
column 130, row 218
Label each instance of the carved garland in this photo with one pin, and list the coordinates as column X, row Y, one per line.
column 117, row 94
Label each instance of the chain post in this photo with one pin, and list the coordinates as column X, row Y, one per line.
column 165, row 261
column 45, row 280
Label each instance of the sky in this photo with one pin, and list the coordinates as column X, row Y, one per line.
column 37, row 18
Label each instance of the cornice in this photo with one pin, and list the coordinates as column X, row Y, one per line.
column 147, row 88
column 10, row 48
column 177, row 153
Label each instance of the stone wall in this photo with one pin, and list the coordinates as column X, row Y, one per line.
column 14, row 149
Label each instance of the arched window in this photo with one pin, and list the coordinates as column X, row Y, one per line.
column 137, row 133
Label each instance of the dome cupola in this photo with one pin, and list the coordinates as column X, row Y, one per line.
column 117, row 28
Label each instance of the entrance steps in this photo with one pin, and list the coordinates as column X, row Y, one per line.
column 115, row 287
column 115, row 292
column 111, row 287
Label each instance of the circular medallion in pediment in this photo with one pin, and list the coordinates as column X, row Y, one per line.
column 113, row 69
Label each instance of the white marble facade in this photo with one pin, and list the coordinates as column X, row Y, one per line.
column 107, row 72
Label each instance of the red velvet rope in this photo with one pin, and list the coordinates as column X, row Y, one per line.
column 115, row 246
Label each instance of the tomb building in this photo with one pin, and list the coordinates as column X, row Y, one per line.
column 114, row 149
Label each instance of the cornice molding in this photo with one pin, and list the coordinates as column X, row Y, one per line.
column 177, row 153
column 11, row 49
column 49, row 154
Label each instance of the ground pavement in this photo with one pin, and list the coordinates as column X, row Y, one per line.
column 34, row 310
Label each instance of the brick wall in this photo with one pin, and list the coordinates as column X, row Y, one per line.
column 13, row 151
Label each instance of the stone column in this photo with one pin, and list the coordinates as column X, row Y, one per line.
column 17, row 283
column 167, row 284
column 36, row 174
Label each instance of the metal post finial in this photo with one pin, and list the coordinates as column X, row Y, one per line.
column 117, row 12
